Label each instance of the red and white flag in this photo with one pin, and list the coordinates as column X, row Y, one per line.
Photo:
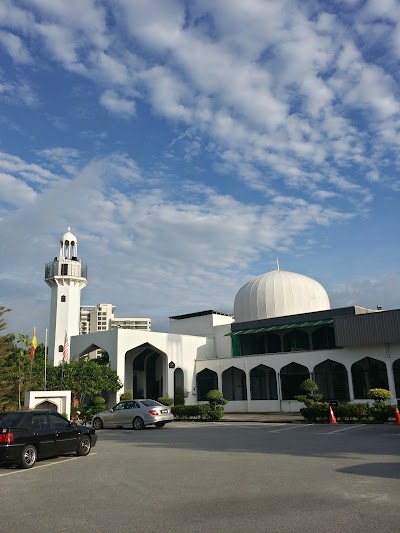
column 65, row 355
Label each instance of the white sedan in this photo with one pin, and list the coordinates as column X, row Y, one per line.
column 134, row 413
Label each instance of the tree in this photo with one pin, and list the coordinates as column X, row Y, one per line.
column 83, row 377
column 309, row 390
column 8, row 371
column 18, row 373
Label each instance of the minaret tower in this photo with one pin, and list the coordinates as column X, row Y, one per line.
column 66, row 276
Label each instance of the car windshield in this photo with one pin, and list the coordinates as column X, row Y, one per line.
column 150, row 403
column 10, row 419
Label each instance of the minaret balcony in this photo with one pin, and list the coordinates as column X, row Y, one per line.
column 65, row 267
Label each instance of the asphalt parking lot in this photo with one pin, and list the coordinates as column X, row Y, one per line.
column 221, row 477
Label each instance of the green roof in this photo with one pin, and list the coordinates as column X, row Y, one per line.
column 297, row 325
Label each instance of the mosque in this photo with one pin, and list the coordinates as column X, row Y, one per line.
column 282, row 332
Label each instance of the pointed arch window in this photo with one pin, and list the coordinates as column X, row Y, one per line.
column 63, row 299
column 61, row 348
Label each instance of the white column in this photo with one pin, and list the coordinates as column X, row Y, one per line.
column 389, row 368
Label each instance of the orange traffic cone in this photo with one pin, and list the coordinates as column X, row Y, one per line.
column 397, row 414
column 332, row 418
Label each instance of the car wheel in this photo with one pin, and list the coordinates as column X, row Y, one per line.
column 160, row 424
column 138, row 423
column 84, row 446
column 97, row 423
column 28, row 456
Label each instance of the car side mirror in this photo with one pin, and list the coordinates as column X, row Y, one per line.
column 73, row 424
column 111, row 410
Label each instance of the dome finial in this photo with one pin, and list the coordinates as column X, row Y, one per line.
column 69, row 228
column 277, row 263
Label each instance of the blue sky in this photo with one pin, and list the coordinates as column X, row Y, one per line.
column 190, row 144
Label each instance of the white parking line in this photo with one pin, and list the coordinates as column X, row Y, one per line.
column 43, row 466
column 343, row 429
column 292, row 427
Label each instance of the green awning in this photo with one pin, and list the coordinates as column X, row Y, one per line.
column 297, row 325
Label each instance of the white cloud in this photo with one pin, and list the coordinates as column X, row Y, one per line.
column 117, row 104
column 15, row 47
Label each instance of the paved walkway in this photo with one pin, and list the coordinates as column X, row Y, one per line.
column 262, row 417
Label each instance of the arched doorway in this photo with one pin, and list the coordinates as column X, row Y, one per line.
column 292, row 375
column 206, row 380
column 46, row 405
column 332, row 380
column 179, row 387
column 234, row 384
column 368, row 373
column 146, row 370
column 263, row 383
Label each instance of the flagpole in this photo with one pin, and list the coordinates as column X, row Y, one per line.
column 45, row 360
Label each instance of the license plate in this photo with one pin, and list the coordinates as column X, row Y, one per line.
column 164, row 410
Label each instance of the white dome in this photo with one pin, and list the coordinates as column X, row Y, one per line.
column 70, row 237
column 279, row 293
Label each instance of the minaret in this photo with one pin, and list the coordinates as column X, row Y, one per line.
column 66, row 276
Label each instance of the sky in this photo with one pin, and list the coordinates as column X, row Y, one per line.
column 191, row 145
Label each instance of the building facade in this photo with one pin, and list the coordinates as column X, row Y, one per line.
column 258, row 364
column 283, row 331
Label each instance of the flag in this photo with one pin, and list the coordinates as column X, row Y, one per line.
column 65, row 349
column 33, row 345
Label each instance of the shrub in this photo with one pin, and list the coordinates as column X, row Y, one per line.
column 216, row 413
column 308, row 386
column 309, row 389
column 186, row 412
column 379, row 395
column 316, row 412
column 215, row 398
column 381, row 412
column 166, row 400
column 96, row 405
column 127, row 395
column 351, row 412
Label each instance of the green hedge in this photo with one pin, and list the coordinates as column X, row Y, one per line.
column 197, row 412
column 349, row 412
column 316, row 412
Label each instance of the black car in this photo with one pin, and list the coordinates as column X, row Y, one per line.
column 26, row 436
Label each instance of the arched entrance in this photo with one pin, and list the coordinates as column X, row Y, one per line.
column 234, row 384
column 179, row 387
column 263, row 383
column 368, row 373
column 332, row 380
column 292, row 375
column 146, row 371
column 206, row 380
column 46, row 405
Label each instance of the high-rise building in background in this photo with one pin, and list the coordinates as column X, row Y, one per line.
column 101, row 317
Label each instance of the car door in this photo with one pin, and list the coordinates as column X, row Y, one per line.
column 129, row 413
column 66, row 433
column 116, row 417
column 44, row 436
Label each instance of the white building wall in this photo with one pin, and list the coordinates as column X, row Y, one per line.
column 223, row 343
column 182, row 350
column 346, row 356
column 202, row 325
